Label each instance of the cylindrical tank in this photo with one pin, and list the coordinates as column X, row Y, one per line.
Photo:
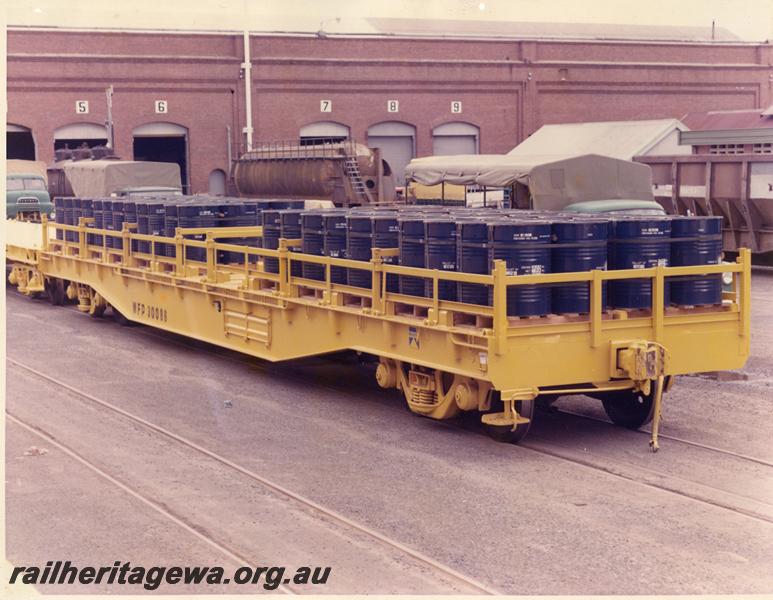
column 271, row 235
column 525, row 247
column 313, row 171
column 313, row 234
column 578, row 245
column 334, row 242
column 412, row 253
column 696, row 241
column 637, row 243
column 440, row 235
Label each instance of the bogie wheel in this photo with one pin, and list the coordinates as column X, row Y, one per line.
column 630, row 409
column 55, row 288
column 505, row 433
column 119, row 318
column 97, row 310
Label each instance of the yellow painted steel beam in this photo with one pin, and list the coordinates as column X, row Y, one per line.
column 280, row 317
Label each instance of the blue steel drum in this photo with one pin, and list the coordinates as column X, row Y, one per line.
column 412, row 253
column 359, row 241
column 334, row 242
column 440, row 235
column 107, row 220
column 170, row 226
column 87, row 211
column 637, row 243
column 696, row 241
column 142, row 225
column 579, row 245
column 290, row 229
column 67, row 214
column 271, row 235
column 313, row 235
column 76, row 215
column 386, row 234
column 196, row 214
column 130, row 216
column 525, row 247
column 230, row 215
column 59, row 215
column 251, row 217
column 118, row 219
column 96, row 207
column 156, row 225
column 472, row 257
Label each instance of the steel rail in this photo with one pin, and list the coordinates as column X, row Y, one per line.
column 275, row 487
column 238, row 559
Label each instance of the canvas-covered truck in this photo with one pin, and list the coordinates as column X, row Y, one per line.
column 540, row 182
column 93, row 178
column 26, row 190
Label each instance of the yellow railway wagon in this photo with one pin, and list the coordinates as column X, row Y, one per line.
column 445, row 357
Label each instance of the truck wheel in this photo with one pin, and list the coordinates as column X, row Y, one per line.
column 629, row 409
column 119, row 318
column 55, row 288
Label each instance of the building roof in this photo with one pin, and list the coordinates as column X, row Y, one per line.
column 618, row 139
column 749, row 118
column 537, row 30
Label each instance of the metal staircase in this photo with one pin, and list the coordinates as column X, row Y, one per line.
column 352, row 170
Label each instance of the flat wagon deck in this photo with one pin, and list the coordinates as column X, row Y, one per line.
column 445, row 356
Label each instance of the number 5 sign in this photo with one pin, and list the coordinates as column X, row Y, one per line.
column 161, row 107
column 82, row 107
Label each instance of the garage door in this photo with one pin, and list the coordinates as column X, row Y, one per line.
column 323, row 131
column 455, row 138
column 76, row 135
column 397, row 142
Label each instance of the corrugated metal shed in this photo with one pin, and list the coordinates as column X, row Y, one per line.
column 750, row 118
column 617, row 139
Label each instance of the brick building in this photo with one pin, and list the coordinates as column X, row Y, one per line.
column 407, row 93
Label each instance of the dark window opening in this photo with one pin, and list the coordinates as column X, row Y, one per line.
column 74, row 143
column 314, row 141
column 19, row 145
column 163, row 149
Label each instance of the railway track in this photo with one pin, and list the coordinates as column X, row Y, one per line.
column 234, row 556
column 449, row 573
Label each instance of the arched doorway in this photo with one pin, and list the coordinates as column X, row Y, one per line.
column 323, row 132
column 76, row 135
column 455, row 138
column 397, row 141
column 163, row 142
column 217, row 182
column 19, row 143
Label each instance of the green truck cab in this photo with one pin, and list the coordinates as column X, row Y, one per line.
column 616, row 207
column 26, row 197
